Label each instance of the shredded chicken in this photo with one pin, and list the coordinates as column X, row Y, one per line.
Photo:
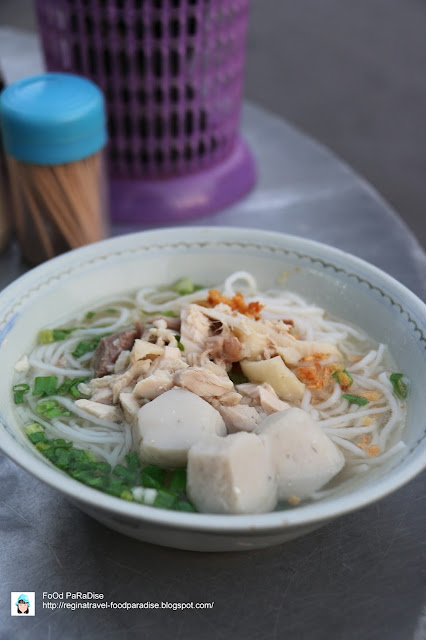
column 204, row 383
column 160, row 334
column 249, row 389
column 170, row 361
column 103, row 395
column 263, row 395
column 143, row 349
column 195, row 327
column 171, row 323
column 255, row 336
column 99, row 410
column 270, row 402
column 130, row 405
column 230, row 399
column 154, row 385
column 128, row 377
column 240, row 417
column 224, row 349
column 122, row 362
column 105, row 381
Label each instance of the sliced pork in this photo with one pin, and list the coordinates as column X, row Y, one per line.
column 108, row 350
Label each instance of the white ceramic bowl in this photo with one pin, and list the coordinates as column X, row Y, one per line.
column 343, row 284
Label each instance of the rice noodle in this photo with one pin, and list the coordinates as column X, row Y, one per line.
column 368, row 364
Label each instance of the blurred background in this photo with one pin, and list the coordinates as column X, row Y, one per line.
column 351, row 74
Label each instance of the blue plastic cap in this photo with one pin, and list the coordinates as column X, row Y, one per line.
column 52, row 118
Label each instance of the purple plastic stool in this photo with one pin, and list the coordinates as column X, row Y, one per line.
column 172, row 74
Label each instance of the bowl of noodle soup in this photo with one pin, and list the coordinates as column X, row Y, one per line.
column 374, row 417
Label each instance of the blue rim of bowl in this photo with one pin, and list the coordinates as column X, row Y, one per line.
column 252, row 524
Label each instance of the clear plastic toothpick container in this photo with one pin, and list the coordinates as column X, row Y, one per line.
column 54, row 131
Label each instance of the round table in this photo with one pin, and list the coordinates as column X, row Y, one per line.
column 361, row 577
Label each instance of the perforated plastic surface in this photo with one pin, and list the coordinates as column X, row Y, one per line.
column 171, row 70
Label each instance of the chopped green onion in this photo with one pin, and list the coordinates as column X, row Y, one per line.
column 90, row 315
column 78, row 463
column 198, row 287
column 70, row 386
column 179, row 344
column 83, row 456
column 184, row 505
column 63, row 444
column 87, row 477
column 167, row 314
column 56, row 412
column 51, row 409
column 19, row 390
column 103, row 467
column 49, row 453
column 153, row 477
column 45, row 386
column 97, row 482
column 37, row 437
column 87, row 346
column 67, row 384
column 399, row 387
column 237, row 378
column 82, row 475
column 122, row 480
column 35, row 427
column 184, row 286
column 75, row 392
column 46, row 336
column 128, row 475
column 178, row 480
column 353, row 399
column 343, row 378
column 165, row 499
column 115, row 487
column 111, row 311
column 42, row 446
column 63, row 459
column 133, row 461
column 61, row 334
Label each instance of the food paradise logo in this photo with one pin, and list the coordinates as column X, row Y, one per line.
column 22, row 603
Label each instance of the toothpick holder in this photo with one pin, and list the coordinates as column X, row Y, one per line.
column 54, row 132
